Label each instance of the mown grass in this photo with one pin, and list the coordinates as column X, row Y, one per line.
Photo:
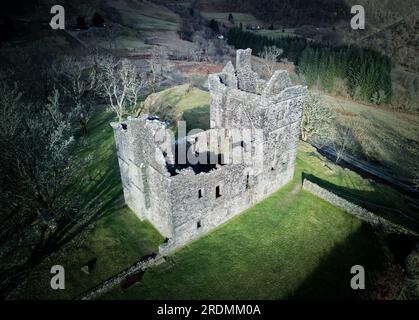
column 291, row 245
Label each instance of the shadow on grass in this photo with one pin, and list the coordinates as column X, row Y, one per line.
column 331, row 279
column 102, row 193
column 374, row 201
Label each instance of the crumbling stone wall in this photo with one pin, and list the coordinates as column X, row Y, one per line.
column 184, row 203
column 354, row 209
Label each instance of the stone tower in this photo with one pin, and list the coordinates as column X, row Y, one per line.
column 185, row 202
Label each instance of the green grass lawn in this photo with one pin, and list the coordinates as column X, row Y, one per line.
column 191, row 103
column 292, row 245
column 183, row 97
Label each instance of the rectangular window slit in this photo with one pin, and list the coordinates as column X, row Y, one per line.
column 217, row 192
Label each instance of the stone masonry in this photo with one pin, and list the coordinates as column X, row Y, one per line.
column 186, row 201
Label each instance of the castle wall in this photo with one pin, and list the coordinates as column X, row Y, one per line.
column 143, row 172
column 197, row 208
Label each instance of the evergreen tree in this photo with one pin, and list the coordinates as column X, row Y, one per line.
column 367, row 73
column 81, row 23
column 214, row 25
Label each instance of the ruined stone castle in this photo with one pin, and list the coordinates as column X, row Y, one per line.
column 186, row 200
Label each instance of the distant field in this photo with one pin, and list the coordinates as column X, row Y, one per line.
column 276, row 33
column 249, row 19
column 244, row 18
column 145, row 16
column 391, row 137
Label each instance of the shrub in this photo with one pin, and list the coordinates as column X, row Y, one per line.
column 97, row 20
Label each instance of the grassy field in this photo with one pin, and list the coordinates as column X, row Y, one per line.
column 292, row 245
column 191, row 103
column 244, row 18
column 388, row 137
column 277, row 32
column 145, row 16
column 249, row 19
column 183, row 97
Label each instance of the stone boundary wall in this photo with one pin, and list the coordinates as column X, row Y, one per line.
column 355, row 210
column 118, row 278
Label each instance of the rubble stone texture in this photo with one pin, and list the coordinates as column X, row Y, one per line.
column 184, row 202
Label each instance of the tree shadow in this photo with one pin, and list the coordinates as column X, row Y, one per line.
column 197, row 118
column 331, row 278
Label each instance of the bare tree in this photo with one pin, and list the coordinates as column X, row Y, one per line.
column 270, row 57
column 75, row 79
column 317, row 119
column 342, row 140
column 196, row 54
column 111, row 36
column 158, row 64
column 121, row 83
column 39, row 166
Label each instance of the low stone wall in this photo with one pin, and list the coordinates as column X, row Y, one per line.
column 354, row 209
column 120, row 277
